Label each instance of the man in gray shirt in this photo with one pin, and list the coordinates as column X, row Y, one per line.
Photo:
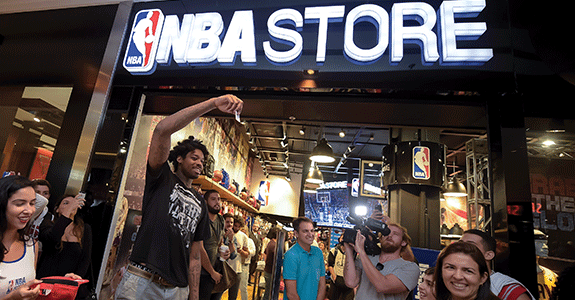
column 383, row 277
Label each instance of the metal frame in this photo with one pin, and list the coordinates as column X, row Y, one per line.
column 478, row 184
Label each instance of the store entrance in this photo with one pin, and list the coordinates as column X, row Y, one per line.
column 278, row 130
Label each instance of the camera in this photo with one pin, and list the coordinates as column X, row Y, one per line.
column 369, row 228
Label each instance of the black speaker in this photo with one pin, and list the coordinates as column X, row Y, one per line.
column 414, row 162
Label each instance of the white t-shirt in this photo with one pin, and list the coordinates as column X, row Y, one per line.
column 240, row 241
column 500, row 280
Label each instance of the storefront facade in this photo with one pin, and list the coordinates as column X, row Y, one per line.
column 465, row 63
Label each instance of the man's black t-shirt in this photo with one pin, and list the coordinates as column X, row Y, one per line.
column 173, row 217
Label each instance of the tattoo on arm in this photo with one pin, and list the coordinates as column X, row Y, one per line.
column 194, row 271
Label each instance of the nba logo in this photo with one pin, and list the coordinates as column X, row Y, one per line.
column 141, row 51
column 355, row 187
column 420, row 163
column 264, row 192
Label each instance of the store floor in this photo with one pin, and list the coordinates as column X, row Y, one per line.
column 250, row 294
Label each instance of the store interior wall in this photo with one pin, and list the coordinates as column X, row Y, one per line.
column 284, row 195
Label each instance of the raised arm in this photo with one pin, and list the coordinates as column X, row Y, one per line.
column 351, row 274
column 386, row 284
column 161, row 137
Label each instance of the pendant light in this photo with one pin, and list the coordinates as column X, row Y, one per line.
column 455, row 188
column 310, row 188
column 322, row 152
column 314, row 175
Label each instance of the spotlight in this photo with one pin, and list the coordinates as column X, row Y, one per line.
column 361, row 210
column 342, row 134
column 310, row 188
column 314, row 175
column 302, row 131
column 322, row 153
column 455, row 188
column 548, row 143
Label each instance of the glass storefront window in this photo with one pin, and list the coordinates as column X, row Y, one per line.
column 31, row 121
column 551, row 150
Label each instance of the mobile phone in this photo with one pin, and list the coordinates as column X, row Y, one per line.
column 237, row 114
column 82, row 195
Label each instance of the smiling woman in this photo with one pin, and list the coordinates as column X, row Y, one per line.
column 462, row 274
column 17, row 251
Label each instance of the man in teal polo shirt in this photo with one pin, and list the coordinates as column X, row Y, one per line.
column 304, row 269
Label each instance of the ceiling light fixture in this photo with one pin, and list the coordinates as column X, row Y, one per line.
column 310, row 188
column 302, row 131
column 455, row 188
column 548, row 143
column 310, row 72
column 342, row 134
column 314, row 175
column 322, row 152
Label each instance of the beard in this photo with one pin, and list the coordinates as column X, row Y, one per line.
column 389, row 247
column 213, row 210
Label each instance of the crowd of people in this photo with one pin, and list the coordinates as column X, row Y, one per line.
column 186, row 249
column 37, row 243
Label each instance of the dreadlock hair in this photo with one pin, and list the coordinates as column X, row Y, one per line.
column 184, row 147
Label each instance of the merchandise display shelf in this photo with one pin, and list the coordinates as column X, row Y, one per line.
column 208, row 184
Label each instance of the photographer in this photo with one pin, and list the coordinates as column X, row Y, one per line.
column 385, row 276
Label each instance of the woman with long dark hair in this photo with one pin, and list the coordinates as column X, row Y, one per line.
column 461, row 274
column 67, row 245
column 18, row 252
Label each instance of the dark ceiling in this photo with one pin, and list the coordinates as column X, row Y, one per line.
column 274, row 119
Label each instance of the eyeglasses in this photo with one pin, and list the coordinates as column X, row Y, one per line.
column 379, row 266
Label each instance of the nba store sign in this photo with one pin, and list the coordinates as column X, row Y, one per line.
column 204, row 39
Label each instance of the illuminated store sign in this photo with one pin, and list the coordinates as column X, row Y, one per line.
column 202, row 38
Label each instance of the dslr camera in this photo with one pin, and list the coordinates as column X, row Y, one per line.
column 369, row 228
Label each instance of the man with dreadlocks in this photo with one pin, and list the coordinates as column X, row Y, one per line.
column 165, row 260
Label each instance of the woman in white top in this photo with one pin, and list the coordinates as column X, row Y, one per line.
column 18, row 252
